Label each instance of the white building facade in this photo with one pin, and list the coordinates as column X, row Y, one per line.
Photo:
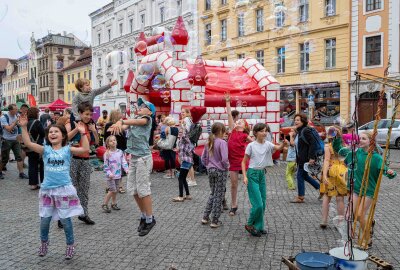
column 115, row 30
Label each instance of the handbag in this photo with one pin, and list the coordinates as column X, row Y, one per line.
column 167, row 143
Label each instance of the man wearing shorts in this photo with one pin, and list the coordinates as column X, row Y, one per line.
column 10, row 132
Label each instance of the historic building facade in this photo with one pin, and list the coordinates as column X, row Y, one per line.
column 53, row 53
column 115, row 31
column 375, row 37
column 304, row 44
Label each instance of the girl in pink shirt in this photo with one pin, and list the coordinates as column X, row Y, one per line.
column 237, row 142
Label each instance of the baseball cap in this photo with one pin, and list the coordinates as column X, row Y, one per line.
column 148, row 104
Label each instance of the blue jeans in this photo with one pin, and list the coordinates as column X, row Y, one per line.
column 68, row 229
column 302, row 176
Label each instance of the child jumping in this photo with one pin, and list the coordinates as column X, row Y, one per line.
column 259, row 153
column 237, row 142
column 215, row 158
column 114, row 162
column 291, row 161
column 141, row 163
column 58, row 199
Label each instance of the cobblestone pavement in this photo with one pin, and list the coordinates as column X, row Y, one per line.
column 179, row 241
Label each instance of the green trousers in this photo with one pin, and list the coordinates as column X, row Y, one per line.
column 257, row 191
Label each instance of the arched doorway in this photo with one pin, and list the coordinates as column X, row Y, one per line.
column 368, row 105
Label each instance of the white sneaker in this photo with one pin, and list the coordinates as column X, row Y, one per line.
column 192, row 183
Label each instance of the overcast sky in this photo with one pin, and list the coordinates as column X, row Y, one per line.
column 19, row 18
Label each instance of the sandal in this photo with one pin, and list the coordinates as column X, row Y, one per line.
column 298, row 200
column 115, row 207
column 121, row 190
column 232, row 212
column 178, row 199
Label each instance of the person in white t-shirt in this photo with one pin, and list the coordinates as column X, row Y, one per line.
column 259, row 153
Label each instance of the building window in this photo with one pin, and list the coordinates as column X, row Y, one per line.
column 99, row 62
column 81, row 52
column 84, row 74
column 69, row 96
column 330, row 53
column 208, row 4
column 279, row 15
column 260, row 57
column 99, row 83
column 98, row 38
column 73, row 78
column 162, row 14
column 109, row 34
column 224, row 58
column 330, row 7
column 69, row 79
column 373, row 47
column 131, row 53
column 121, row 57
column 260, row 20
column 71, row 51
column 121, row 29
column 60, row 50
column 208, row 33
column 131, row 25
column 280, row 68
column 79, row 75
column 223, row 30
column 373, row 5
column 241, row 56
column 108, row 60
column 121, row 82
column 241, row 25
column 303, row 11
column 224, row 2
column 143, row 19
column 304, row 56
column 90, row 75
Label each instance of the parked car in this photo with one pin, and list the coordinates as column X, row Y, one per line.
column 289, row 124
column 383, row 127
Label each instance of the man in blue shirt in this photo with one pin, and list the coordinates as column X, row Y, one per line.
column 10, row 132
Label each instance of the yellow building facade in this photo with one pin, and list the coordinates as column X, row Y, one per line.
column 82, row 68
column 304, row 44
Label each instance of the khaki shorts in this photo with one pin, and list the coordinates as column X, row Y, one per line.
column 138, row 182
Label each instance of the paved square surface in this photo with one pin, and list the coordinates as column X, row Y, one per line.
column 179, row 240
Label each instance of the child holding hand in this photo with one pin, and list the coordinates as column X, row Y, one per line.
column 114, row 162
column 259, row 153
column 58, row 199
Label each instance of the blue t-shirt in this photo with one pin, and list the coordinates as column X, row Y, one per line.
column 56, row 167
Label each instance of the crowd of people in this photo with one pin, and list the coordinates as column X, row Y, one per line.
column 58, row 150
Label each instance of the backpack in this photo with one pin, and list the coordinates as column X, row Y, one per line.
column 319, row 150
column 195, row 133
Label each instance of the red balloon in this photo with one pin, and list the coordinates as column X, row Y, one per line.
column 100, row 152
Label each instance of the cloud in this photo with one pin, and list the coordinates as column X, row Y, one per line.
column 19, row 18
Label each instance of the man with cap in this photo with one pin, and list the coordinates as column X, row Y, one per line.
column 141, row 163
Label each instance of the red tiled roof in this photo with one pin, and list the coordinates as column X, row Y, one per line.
column 3, row 63
column 84, row 59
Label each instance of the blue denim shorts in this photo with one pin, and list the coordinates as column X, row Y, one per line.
column 186, row 165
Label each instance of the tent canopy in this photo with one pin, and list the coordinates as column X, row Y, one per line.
column 58, row 105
